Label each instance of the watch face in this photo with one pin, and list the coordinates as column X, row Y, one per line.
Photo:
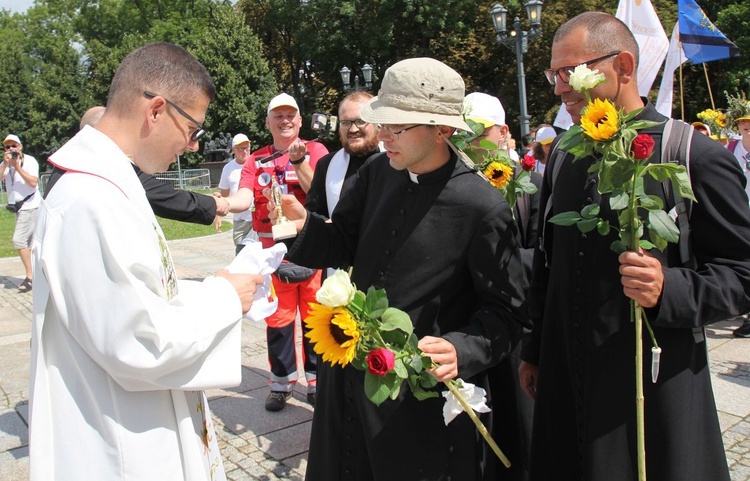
column 264, row 179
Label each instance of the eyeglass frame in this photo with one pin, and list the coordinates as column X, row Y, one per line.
column 199, row 132
column 347, row 124
column 394, row 135
column 746, row 158
column 552, row 75
column 8, row 147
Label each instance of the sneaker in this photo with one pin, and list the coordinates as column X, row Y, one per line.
column 277, row 400
column 744, row 330
column 311, row 399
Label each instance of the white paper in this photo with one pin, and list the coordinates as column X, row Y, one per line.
column 254, row 259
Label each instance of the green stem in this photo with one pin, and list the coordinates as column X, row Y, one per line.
column 478, row 423
column 635, row 313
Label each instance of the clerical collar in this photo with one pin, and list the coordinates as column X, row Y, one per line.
column 414, row 177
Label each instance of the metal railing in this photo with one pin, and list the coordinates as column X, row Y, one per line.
column 190, row 178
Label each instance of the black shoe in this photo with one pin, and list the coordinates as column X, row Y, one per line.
column 311, row 399
column 744, row 330
column 277, row 400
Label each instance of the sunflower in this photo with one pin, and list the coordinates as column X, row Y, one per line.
column 600, row 120
column 334, row 332
column 499, row 174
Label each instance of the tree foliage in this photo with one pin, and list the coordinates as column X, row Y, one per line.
column 58, row 58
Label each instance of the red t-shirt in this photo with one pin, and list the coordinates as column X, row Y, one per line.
column 257, row 176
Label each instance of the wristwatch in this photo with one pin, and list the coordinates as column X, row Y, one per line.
column 297, row 162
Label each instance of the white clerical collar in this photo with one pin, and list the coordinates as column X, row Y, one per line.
column 413, row 177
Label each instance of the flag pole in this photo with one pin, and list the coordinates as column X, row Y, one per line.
column 682, row 93
column 708, row 82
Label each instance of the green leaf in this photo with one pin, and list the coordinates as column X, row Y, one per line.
column 662, row 172
column 421, row 394
column 378, row 388
column 566, row 218
column 618, row 246
column 619, row 200
column 590, row 211
column 651, row 202
column 571, row 139
column 358, row 302
column 396, row 319
column 587, row 225
column 603, row 227
column 376, row 302
column 662, row 225
column 659, row 242
column 641, row 124
column 417, row 364
column 400, row 368
column 681, row 181
column 646, row 245
column 427, row 380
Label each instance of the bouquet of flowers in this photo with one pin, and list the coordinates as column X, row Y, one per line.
column 348, row 326
column 495, row 164
column 716, row 121
column 738, row 107
column 621, row 168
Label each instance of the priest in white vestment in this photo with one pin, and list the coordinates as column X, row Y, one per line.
column 122, row 349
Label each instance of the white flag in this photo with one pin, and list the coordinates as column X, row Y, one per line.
column 640, row 17
column 675, row 57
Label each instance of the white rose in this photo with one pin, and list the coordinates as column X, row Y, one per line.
column 337, row 290
column 585, row 78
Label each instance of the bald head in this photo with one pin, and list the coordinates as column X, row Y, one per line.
column 92, row 116
column 600, row 32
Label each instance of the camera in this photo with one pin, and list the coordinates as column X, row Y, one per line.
column 324, row 123
column 14, row 155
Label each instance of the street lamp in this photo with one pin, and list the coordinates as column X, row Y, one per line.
column 518, row 40
column 346, row 78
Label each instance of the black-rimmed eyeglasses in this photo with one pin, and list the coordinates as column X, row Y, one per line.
column 347, row 124
column 199, row 132
column 563, row 73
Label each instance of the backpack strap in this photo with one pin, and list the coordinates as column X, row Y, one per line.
column 675, row 148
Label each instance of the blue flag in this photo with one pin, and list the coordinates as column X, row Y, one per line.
column 701, row 40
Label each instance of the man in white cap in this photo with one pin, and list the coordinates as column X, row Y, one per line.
column 487, row 110
column 290, row 161
column 21, row 175
column 545, row 134
column 242, row 222
column 423, row 225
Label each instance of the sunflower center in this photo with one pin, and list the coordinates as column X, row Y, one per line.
column 338, row 334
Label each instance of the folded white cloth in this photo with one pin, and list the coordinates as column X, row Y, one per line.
column 254, row 259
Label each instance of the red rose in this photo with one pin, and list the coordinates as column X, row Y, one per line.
column 380, row 361
column 528, row 163
column 642, row 146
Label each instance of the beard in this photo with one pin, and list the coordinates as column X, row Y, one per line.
column 359, row 149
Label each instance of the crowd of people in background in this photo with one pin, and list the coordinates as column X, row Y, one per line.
column 535, row 313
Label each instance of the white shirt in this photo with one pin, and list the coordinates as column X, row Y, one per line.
column 17, row 187
column 740, row 153
column 230, row 180
column 120, row 348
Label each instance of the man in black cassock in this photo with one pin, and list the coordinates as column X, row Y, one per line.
column 579, row 359
column 422, row 224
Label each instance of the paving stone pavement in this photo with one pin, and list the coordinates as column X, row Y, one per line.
column 258, row 445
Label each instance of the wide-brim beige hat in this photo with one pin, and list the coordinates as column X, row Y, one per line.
column 418, row 91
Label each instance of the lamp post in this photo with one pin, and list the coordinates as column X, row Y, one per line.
column 518, row 41
column 346, row 75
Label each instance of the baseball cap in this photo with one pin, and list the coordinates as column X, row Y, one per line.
column 701, row 125
column 12, row 138
column 418, row 91
column 545, row 135
column 240, row 139
column 484, row 109
column 282, row 100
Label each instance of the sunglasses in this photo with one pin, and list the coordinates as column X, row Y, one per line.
column 199, row 132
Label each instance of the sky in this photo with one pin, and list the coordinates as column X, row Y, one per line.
column 16, row 5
